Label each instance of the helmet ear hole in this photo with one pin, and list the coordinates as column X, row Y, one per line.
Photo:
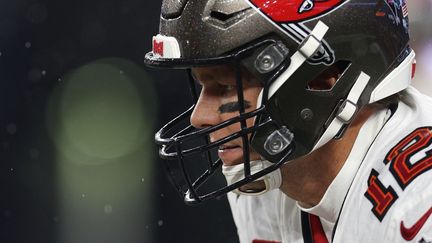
column 327, row 79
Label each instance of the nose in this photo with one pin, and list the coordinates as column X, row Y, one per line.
column 205, row 113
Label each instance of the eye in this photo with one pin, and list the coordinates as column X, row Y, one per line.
column 227, row 88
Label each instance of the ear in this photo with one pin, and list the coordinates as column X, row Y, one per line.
column 325, row 80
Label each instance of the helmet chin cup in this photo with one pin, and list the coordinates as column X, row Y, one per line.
column 270, row 181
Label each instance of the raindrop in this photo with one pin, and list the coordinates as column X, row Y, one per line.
column 160, row 223
column 83, row 195
column 1, row 53
column 142, row 179
column 162, row 195
column 121, row 72
column 43, row 72
column 28, row 44
column 11, row 169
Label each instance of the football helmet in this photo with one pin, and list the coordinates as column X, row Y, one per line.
column 285, row 44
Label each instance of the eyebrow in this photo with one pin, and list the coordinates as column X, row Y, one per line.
column 233, row 107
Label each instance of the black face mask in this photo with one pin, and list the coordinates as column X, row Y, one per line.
column 191, row 159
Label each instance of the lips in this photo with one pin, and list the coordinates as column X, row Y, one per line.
column 230, row 154
column 227, row 147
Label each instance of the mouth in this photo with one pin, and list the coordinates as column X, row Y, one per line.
column 230, row 154
column 224, row 148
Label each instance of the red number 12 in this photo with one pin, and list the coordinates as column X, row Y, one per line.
column 402, row 168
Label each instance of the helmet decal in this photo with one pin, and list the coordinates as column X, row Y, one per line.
column 158, row 47
column 166, row 46
column 289, row 16
column 292, row 11
column 395, row 5
column 399, row 12
column 398, row 6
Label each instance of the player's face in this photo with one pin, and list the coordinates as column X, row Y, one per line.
column 218, row 102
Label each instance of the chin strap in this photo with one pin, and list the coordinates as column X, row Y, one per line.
column 235, row 173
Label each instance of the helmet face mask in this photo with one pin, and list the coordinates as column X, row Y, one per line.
column 287, row 53
column 182, row 144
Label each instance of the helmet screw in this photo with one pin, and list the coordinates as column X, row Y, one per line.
column 276, row 145
column 267, row 63
column 306, row 114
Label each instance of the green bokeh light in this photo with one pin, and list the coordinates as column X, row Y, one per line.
column 101, row 119
column 100, row 112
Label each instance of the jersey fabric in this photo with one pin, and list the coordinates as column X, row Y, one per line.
column 383, row 193
column 392, row 190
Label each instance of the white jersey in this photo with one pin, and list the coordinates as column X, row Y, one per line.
column 383, row 193
column 390, row 199
column 265, row 218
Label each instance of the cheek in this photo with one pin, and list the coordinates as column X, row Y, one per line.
column 234, row 127
column 237, row 126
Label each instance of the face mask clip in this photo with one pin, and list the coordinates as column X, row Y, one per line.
column 278, row 141
column 271, row 57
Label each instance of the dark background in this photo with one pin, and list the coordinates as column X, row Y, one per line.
column 41, row 41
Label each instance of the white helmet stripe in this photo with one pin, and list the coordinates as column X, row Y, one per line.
column 399, row 79
column 306, row 50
